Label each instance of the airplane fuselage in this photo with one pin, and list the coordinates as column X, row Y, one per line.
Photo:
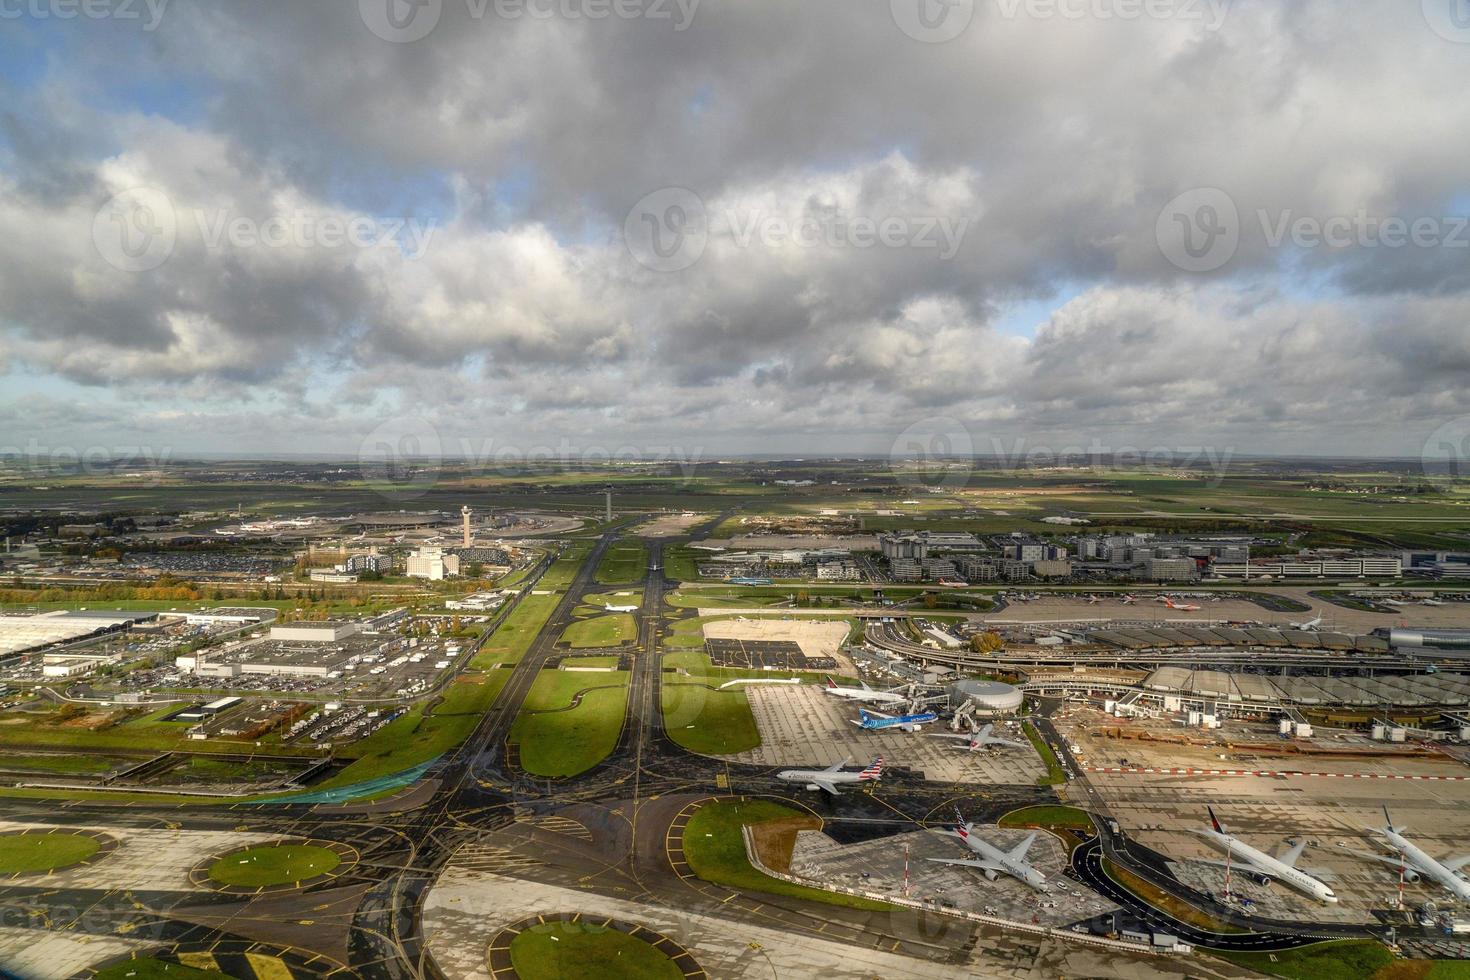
column 1282, row 871
column 1427, row 866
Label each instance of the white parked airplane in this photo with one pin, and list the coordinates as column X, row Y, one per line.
column 982, row 739
column 1310, row 624
column 830, row 778
column 866, row 693
column 1181, row 606
column 1415, row 863
column 1260, row 863
column 993, row 861
column 621, row 608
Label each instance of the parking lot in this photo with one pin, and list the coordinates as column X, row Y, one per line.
column 801, row 726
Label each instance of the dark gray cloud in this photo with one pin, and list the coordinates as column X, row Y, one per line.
column 493, row 163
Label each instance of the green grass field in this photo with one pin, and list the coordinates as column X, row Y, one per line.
column 1350, row 959
column 1047, row 816
column 706, row 721
column 27, row 852
column 715, row 850
column 274, row 864
column 148, row 968
column 574, row 950
column 1054, row 774
column 567, row 742
column 602, row 631
column 623, row 563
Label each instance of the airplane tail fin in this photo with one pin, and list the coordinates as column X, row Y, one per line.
column 1388, row 821
column 875, row 771
column 1214, row 821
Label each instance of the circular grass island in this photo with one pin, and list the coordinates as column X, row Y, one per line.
column 274, row 864
column 32, row 851
column 559, row 950
column 148, row 968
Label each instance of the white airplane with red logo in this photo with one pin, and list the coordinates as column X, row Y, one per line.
column 1180, row 606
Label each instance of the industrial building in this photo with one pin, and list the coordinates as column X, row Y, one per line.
column 1375, row 567
column 324, row 632
column 919, row 545
column 20, row 634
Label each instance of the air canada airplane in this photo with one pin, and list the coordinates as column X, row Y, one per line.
column 982, row 739
column 1262, row 864
column 830, row 778
column 1415, row 863
column 866, row 693
column 993, row 862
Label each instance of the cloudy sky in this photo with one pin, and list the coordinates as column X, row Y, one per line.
column 734, row 225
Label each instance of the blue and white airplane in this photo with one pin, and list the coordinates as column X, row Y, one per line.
column 873, row 721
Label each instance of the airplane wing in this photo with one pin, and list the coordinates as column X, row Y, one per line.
column 984, row 732
column 1455, row 864
column 1018, row 853
column 1252, row 868
column 826, row 784
column 837, row 766
column 1293, row 853
column 982, row 865
column 876, row 714
column 962, row 738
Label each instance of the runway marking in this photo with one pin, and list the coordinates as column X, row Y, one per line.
column 1138, row 770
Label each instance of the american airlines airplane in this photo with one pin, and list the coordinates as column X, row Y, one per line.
column 993, row 861
column 866, row 693
column 1260, row 863
column 830, row 778
column 1415, row 863
column 982, row 739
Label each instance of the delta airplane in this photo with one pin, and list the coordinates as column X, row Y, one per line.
column 1260, row 863
column 982, row 739
column 873, row 721
column 993, row 861
column 866, row 693
column 827, row 780
column 1415, row 863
